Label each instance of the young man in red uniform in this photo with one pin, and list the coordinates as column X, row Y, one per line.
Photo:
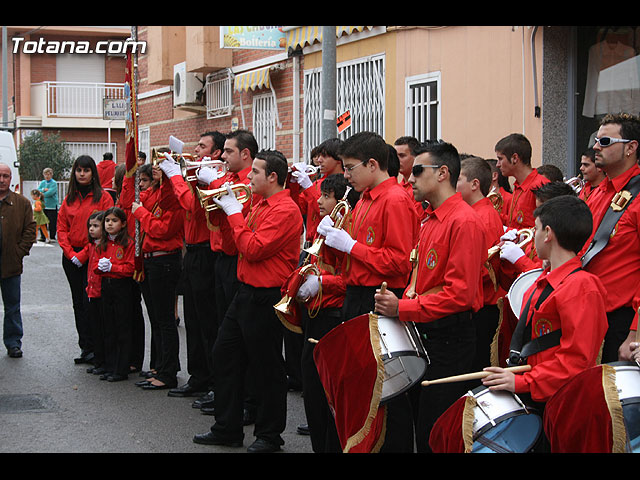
column 198, row 265
column 514, row 160
column 575, row 305
column 377, row 245
column 618, row 264
column 250, row 337
column 106, row 171
column 405, row 148
column 591, row 174
column 473, row 184
column 446, row 286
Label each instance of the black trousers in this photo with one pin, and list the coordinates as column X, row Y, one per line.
column 77, row 279
column 486, row 323
column 250, row 342
column 117, row 297
column 450, row 344
column 161, row 275
column 52, row 215
column 96, row 318
column 399, row 437
column 200, row 315
column 322, row 427
column 618, row 331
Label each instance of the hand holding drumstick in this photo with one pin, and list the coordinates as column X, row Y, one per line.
column 386, row 302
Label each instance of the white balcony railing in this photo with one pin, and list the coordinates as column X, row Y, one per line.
column 79, row 100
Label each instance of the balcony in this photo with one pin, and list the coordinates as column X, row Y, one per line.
column 72, row 104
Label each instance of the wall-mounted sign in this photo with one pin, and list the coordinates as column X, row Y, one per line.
column 257, row 37
column 114, row 109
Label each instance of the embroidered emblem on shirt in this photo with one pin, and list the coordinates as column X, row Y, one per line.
column 371, row 236
column 519, row 216
column 432, row 259
column 119, row 253
column 542, row 327
column 157, row 213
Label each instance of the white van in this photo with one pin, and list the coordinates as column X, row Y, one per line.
column 9, row 157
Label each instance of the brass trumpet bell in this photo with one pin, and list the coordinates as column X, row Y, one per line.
column 189, row 166
column 576, row 183
column 339, row 215
column 240, row 190
column 525, row 235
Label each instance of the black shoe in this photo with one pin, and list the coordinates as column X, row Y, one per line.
column 151, row 386
column 14, row 352
column 262, row 446
column 84, row 358
column 116, row 378
column 105, row 376
column 303, row 429
column 98, row 370
column 208, row 410
column 142, row 383
column 186, row 390
column 204, row 401
column 210, row 439
column 147, row 374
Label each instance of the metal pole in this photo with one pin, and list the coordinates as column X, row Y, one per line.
column 328, row 128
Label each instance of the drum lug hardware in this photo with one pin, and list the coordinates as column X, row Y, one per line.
column 521, row 403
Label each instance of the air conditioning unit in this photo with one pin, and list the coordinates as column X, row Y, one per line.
column 188, row 89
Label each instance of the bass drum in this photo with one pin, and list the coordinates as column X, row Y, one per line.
column 519, row 287
column 404, row 357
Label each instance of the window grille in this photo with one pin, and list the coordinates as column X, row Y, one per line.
column 423, row 107
column 264, row 121
column 219, row 96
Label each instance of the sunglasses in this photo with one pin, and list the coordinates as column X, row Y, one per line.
column 418, row 168
column 606, row 141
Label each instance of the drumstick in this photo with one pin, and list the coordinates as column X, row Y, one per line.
column 473, row 376
column 312, row 340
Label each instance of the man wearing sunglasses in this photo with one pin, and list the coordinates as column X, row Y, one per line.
column 446, row 286
column 514, row 160
column 618, row 263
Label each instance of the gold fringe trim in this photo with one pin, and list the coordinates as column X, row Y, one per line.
column 374, row 404
column 468, row 416
column 495, row 360
column 619, row 431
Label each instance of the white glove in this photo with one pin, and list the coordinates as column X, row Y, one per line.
column 104, row 264
column 511, row 252
column 170, row 167
column 339, row 239
column 309, row 287
column 509, row 235
column 229, row 203
column 206, row 174
column 76, row 262
column 326, row 222
column 300, row 175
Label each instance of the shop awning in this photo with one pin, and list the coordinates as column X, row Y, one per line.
column 303, row 36
column 258, row 78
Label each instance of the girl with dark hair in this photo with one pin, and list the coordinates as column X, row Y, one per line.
column 84, row 197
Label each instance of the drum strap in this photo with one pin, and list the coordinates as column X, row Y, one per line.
column 518, row 352
column 618, row 206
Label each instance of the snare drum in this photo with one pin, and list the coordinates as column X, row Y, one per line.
column 503, row 423
column 628, row 385
column 405, row 358
column 519, row 287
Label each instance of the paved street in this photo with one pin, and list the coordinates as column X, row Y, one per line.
column 50, row 405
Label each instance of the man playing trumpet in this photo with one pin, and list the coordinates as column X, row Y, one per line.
column 446, row 284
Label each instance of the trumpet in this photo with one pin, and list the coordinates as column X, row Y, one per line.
column 188, row 166
column 157, row 159
column 339, row 215
column 576, row 183
column 526, row 234
column 310, row 170
column 284, row 308
column 240, row 190
column 496, row 199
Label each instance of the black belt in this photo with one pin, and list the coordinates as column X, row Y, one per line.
column 193, row 246
column 160, row 253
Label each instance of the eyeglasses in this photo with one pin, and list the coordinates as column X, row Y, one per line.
column 606, row 141
column 351, row 167
column 417, row 169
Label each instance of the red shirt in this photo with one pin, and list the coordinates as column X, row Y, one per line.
column 106, row 171
column 220, row 235
column 122, row 260
column 451, row 253
column 586, row 191
column 195, row 222
column 385, row 225
column 576, row 306
column 72, row 221
column 493, row 230
column 409, row 189
column 618, row 264
column 269, row 241
column 94, row 281
column 519, row 213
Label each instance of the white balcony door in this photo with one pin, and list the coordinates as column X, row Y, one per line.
column 79, row 70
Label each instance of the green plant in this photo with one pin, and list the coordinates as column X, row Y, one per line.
column 39, row 151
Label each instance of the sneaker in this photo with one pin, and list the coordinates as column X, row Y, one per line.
column 14, row 352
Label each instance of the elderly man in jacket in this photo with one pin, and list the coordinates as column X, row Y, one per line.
column 17, row 234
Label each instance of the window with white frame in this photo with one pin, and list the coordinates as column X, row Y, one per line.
column 93, row 149
column 422, row 100
column 144, row 142
column 359, row 90
column 264, row 121
column 219, row 94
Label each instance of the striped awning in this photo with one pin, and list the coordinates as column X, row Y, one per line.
column 253, row 79
column 303, row 36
